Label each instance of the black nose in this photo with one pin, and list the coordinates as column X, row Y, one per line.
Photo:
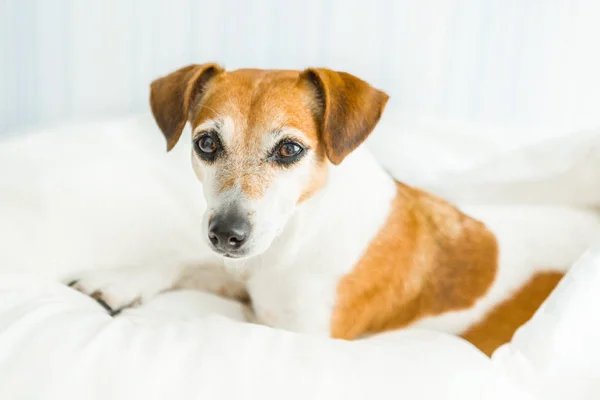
column 228, row 232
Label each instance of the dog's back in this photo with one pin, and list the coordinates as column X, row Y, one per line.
column 434, row 266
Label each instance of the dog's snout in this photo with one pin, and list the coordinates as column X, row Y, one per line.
column 228, row 232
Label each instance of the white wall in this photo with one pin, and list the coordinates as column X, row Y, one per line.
column 506, row 62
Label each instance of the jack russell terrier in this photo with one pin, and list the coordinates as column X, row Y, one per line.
column 304, row 223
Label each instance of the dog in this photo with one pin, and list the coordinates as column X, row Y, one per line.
column 306, row 226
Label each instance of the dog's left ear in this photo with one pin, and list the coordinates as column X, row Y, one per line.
column 172, row 97
column 348, row 109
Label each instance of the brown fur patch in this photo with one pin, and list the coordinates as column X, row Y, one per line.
column 428, row 259
column 501, row 323
column 259, row 101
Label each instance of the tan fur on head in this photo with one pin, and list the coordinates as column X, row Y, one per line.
column 347, row 108
column 172, row 96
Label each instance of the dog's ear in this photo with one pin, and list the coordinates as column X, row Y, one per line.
column 172, row 96
column 348, row 109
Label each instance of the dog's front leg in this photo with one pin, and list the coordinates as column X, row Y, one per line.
column 123, row 287
column 214, row 279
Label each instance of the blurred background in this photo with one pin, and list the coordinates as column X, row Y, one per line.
column 523, row 63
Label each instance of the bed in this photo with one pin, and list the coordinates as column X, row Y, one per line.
column 101, row 194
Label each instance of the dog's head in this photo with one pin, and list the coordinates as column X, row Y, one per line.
column 262, row 141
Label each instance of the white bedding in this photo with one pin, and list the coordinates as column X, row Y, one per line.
column 99, row 195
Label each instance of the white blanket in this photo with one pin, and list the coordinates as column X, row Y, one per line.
column 99, row 195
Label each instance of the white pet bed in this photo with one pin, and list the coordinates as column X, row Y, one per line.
column 99, row 195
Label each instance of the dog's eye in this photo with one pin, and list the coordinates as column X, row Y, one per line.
column 288, row 150
column 207, row 146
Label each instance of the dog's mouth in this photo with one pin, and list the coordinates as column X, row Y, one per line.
column 233, row 255
column 230, row 254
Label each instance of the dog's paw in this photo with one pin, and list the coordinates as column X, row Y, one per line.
column 119, row 288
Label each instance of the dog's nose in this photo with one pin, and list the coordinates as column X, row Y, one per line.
column 228, row 232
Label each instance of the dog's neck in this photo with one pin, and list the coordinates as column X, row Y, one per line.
column 355, row 192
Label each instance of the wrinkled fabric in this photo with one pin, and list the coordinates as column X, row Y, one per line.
column 97, row 195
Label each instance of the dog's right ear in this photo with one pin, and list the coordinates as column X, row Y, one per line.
column 172, row 96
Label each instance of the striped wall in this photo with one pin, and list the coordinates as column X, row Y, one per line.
column 492, row 61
